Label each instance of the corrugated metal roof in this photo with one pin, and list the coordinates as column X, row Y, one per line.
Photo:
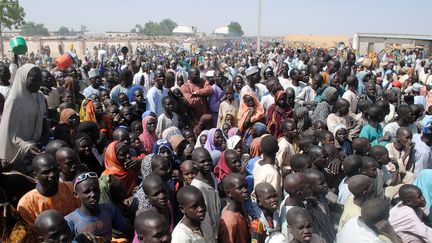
column 396, row 36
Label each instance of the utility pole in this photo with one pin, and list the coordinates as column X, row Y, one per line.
column 259, row 27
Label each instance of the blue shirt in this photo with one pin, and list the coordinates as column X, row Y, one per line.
column 372, row 134
column 100, row 225
column 154, row 100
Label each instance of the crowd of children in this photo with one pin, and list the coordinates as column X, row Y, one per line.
column 226, row 146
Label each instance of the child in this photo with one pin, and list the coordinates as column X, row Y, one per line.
column 386, row 180
column 155, row 189
column 136, row 127
column 286, row 146
column 168, row 118
column 192, row 205
column 369, row 167
column 68, row 164
column 361, row 188
column 373, row 130
column 123, row 100
column 266, row 170
column 297, row 187
column 361, row 146
column 277, row 113
column 228, row 163
column 233, row 226
column 138, row 103
column 127, row 116
column 300, row 162
column 230, row 118
column 326, row 137
column 299, row 224
column 51, row 226
column 188, row 171
column 351, row 166
column 150, row 226
column 250, row 111
column 207, row 184
column 189, row 136
column 266, row 222
column 92, row 217
column 228, row 107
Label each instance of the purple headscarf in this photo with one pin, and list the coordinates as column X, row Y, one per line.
column 210, row 145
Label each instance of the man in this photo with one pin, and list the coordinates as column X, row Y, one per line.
column 217, row 92
column 405, row 119
column 196, row 91
column 284, row 77
column 95, row 83
column 295, row 83
column 329, row 72
column 156, row 93
column 253, row 77
column 372, row 222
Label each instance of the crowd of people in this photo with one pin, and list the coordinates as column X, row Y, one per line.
column 220, row 144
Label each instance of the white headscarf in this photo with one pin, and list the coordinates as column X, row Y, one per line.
column 233, row 141
column 22, row 120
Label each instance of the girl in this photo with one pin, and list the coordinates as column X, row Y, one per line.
column 250, row 112
column 148, row 137
column 277, row 113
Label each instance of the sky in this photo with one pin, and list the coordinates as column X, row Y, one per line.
column 279, row 17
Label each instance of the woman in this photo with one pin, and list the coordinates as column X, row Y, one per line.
column 250, row 112
column 67, row 128
column 323, row 109
column 164, row 148
column 233, row 131
column 235, row 143
column 118, row 162
column 302, row 119
column 201, row 139
column 22, row 119
column 215, row 140
column 94, row 113
column 277, row 113
column 148, row 137
column 140, row 201
column 86, row 152
column 257, row 130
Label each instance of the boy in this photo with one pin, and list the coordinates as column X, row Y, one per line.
column 68, row 163
column 207, row 184
column 369, row 167
column 266, row 170
column 192, row 205
column 52, row 227
column 151, row 227
column 286, row 146
column 361, row 146
column 300, row 162
column 188, row 171
column 233, row 227
column 401, row 150
column 386, row 181
column 326, row 137
column 351, row 166
column 92, row 217
column 228, row 107
column 299, row 224
column 168, row 118
column 297, row 186
column 361, row 188
column 156, row 191
column 267, row 220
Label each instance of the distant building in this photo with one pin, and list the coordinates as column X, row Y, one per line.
column 184, row 30
column 120, row 34
column 221, row 31
column 365, row 43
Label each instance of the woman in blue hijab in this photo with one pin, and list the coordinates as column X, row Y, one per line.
column 424, row 182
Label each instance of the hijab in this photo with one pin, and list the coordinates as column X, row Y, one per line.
column 233, row 141
column 114, row 167
column 260, row 129
column 203, row 133
column 255, row 147
column 244, row 110
column 66, row 114
column 233, row 131
column 323, row 109
column 22, row 119
column 424, row 182
column 210, row 144
column 140, row 198
column 147, row 138
column 301, row 118
column 221, row 169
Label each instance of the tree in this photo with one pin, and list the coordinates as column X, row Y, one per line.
column 151, row 28
column 63, row 31
column 235, row 29
column 32, row 29
column 83, row 29
column 166, row 27
column 11, row 16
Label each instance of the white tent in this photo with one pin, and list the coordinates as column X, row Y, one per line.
column 184, row 30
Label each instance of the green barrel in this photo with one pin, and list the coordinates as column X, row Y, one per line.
column 18, row 45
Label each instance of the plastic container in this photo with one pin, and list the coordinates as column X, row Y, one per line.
column 64, row 61
column 18, row 45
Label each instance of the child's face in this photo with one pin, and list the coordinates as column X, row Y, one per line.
column 190, row 137
column 68, row 165
column 204, row 162
column 138, row 129
column 194, row 208
column 162, row 169
column 343, row 109
column 169, row 105
column 104, row 95
column 371, row 170
column 88, row 192
column 268, row 200
column 203, row 139
column 320, row 186
column 328, row 140
column 226, row 127
column 136, row 144
column 126, row 114
column 189, row 172
column 158, row 197
column 123, row 155
column 282, row 102
column 57, row 232
column 113, row 111
column 239, row 191
column 230, row 119
column 233, row 161
column 177, row 93
column 302, row 230
column 218, row 138
column 151, row 125
column 341, row 135
column 138, row 96
column 166, row 153
column 98, row 108
column 322, row 160
column 68, row 97
column 123, row 100
column 229, row 95
column 384, row 159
